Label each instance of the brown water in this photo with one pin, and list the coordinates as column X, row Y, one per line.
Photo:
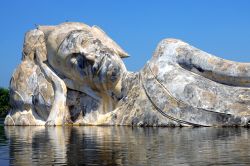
column 91, row 145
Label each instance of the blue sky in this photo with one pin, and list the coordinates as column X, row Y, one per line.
column 220, row 27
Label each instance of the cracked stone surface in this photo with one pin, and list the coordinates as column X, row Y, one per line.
column 73, row 74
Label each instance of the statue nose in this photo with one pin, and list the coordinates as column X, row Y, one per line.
column 98, row 63
column 94, row 69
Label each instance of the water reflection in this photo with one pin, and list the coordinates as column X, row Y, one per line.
column 127, row 146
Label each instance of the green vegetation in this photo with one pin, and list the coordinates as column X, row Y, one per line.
column 4, row 101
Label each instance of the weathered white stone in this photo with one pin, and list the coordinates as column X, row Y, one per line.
column 73, row 74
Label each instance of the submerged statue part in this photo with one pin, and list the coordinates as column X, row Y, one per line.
column 74, row 74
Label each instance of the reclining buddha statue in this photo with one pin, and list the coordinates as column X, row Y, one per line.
column 73, row 74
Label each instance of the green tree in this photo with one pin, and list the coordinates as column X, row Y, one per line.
column 4, row 101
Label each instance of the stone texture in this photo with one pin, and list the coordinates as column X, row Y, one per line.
column 73, row 74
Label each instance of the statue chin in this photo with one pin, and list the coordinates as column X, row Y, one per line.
column 73, row 74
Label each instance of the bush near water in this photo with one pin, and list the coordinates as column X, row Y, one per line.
column 4, row 101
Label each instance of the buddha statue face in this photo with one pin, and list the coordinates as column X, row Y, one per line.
column 86, row 58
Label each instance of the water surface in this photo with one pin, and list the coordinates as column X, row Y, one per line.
column 93, row 145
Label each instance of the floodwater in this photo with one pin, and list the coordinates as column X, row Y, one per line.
column 103, row 145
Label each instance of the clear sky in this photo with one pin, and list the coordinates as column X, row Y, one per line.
column 220, row 27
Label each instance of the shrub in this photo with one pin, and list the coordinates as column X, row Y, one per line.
column 4, row 101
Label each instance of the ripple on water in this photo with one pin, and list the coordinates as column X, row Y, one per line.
column 102, row 145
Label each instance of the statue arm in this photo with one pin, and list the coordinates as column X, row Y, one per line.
column 59, row 109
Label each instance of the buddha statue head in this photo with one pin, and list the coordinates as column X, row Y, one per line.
column 85, row 57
